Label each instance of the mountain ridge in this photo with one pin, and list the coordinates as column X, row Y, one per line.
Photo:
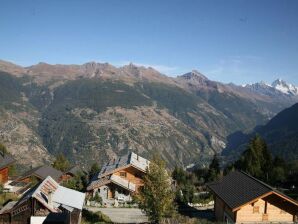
column 73, row 106
column 280, row 132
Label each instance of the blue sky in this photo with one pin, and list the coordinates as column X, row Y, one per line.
column 239, row 41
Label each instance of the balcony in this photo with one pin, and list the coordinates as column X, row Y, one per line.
column 123, row 183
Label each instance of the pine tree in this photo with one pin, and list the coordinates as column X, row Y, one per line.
column 61, row 163
column 3, row 149
column 93, row 170
column 214, row 169
column 156, row 198
column 256, row 160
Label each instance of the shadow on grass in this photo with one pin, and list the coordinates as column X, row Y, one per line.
column 191, row 212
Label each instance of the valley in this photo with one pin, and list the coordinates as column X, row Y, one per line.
column 93, row 112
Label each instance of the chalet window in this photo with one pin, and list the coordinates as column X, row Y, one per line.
column 122, row 174
column 256, row 209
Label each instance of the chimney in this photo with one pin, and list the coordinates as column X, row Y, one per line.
column 50, row 198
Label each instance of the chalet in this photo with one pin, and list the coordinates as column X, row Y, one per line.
column 40, row 173
column 47, row 202
column 5, row 161
column 241, row 198
column 70, row 173
column 119, row 178
column 32, row 177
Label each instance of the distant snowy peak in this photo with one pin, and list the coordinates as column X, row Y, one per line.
column 278, row 87
column 284, row 87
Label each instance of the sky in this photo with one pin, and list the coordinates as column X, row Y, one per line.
column 239, row 41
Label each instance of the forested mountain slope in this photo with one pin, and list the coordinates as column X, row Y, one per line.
column 95, row 111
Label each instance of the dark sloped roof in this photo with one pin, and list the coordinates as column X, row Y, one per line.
column 115, row 163
column 8, row 207
column 74, row 170
column 238, row 188
column 5, row 160
column 43, row 172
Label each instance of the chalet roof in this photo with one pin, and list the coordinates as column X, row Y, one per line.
column 5, row 160
column 61, row 196
column 42, row 172
column 128, row 159
column 7, row 207
column 131, row 159
column 238, row 188
column 74, row 170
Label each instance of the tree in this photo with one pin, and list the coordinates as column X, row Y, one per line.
column 279, row 169
column 214, row 169
column 156, row 198
column 74, row 183
column 256, row 160
column 3, row 149
column 93, row 170
column 185, row 181
column 61, row 163
column 1, row 188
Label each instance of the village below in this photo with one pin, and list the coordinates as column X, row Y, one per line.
column 131, row 189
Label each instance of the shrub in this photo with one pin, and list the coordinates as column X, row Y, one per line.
column 89, row 217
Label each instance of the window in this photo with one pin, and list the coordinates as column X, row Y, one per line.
column 256, row 209
column 122, row 174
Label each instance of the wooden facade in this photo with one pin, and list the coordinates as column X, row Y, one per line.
column 119, row 179
column 21, row 214
column 241, row 198
column 263, row 210
column 4, row 175
column 45, row 203
column 132, row 175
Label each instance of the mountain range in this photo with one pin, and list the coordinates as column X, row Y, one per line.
column 95, row 111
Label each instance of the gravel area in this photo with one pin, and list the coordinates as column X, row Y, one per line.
column 122, row 215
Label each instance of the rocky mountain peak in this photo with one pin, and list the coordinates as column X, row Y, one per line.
column 194, row 75
column 285, row 87
column 11, row 68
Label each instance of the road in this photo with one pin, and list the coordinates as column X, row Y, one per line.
column 122, row 215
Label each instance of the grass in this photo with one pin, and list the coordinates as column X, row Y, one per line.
column 89, row 217
column 179, row 219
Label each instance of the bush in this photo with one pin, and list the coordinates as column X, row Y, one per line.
column 97, row 198
column 1, row 188
column 89, row 217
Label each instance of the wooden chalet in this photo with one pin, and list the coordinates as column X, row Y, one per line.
column 33, row 176
column 241, row 198
column 40, row 173
column 47, row 202
column 119, row 178
column 70, row 173
column 5, row 161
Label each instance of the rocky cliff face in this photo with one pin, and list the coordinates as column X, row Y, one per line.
column 94, row 111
